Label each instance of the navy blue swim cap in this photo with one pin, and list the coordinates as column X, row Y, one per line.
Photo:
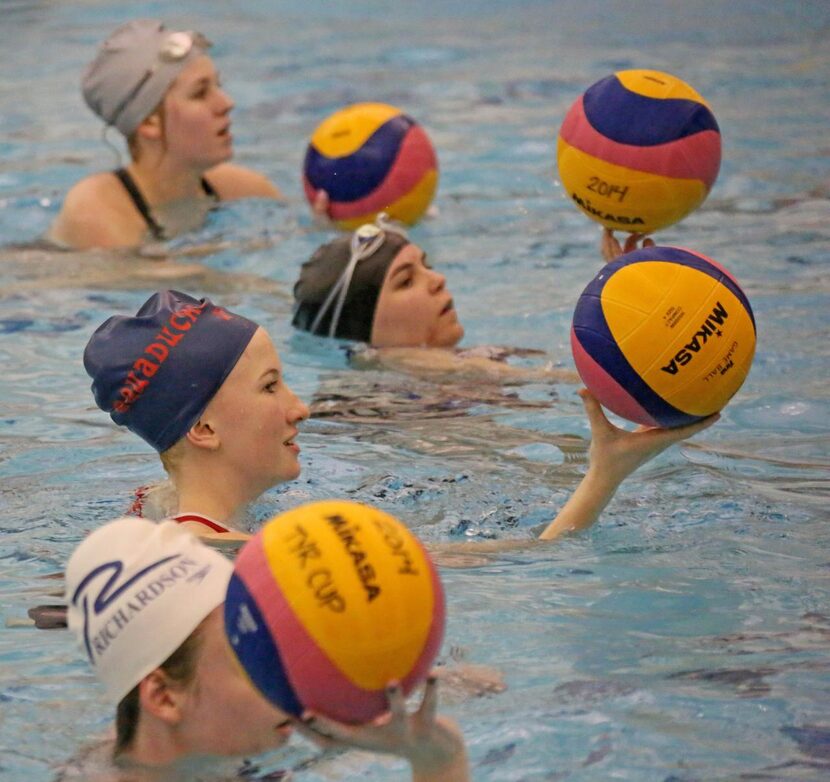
column 156, row 372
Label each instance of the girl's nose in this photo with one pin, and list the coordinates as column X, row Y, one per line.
column 224, row 101
column 299, row 409
column 437, row 281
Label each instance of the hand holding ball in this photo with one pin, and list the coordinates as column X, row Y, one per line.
column 330, row 602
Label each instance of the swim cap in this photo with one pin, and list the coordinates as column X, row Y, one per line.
column 156, row 372
column 135, row 591
column 339, row 286
column 134, row 68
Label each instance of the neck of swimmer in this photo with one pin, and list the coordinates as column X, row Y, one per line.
column 213, row 490
column 161, row 180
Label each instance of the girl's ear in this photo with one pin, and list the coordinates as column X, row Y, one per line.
column 202, row 435
column 161, row 697
column 152, row 127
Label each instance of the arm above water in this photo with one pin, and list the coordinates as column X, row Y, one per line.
column 614, row 454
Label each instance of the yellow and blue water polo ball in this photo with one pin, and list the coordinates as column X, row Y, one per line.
column 370, row 158
column 328, row 603
column 663, row 336
column 639, row 150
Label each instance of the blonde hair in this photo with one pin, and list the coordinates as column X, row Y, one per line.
column 172, row 457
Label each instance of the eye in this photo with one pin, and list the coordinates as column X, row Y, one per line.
column 271, row 388
column 201, row 90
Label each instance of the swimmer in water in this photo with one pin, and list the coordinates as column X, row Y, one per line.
column 374, row 286
column 204, row 387
column 184, row 703
column 163, row 93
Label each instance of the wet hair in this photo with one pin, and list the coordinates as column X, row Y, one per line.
column 179, row 666
column 172, row 457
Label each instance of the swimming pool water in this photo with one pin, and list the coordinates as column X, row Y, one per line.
column 686, row 636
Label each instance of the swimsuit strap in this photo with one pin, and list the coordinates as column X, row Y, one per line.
column 139, row 202
column 209, row 189
column 215, row 526
column 137, row 506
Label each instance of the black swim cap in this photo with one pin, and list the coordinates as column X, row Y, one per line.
column 370, row 251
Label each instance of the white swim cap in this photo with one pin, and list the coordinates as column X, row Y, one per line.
column 136, row 590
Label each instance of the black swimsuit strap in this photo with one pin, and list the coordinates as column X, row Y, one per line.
column 139, row 202
column 209, row 189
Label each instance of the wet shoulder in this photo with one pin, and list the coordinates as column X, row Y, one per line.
column 97, row 212
column 231, row 181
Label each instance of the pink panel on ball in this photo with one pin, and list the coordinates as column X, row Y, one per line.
column 319, row 685
column 436, row 632
column 607, row 390
column 718, row 266
column 416, row 157
column 692, row 157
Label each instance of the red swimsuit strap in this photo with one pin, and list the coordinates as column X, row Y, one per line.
column 183, row 517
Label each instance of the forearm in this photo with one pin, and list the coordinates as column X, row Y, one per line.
column 585, row 505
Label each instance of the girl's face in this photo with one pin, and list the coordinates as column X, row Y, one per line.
column 223, row 713
column 197, row 116
column 414, row 307
column 255, row 416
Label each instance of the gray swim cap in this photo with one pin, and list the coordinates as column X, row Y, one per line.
column 134, row 68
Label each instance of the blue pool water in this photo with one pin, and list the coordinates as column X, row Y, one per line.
column 687, row 635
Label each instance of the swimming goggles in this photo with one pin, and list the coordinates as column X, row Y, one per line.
column 174, row 48
column 365, row 242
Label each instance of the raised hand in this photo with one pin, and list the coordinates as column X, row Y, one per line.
column 611, row 247
column 614, row 454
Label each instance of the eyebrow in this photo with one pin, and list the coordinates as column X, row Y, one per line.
column 406, row 267
column 267, row 372
column 409, row 266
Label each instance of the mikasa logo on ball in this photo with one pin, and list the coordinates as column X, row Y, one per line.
column 601, row 215
column 709, row 328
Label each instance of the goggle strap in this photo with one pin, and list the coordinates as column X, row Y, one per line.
column 346, row 279
column 341, row 288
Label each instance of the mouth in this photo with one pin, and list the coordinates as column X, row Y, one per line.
column 448, row 307
column 289, row 443
column 225, row 132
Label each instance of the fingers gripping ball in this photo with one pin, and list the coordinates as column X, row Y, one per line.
column 663, row 336
column 330, row 602
column 370, row 158
column 639, row 150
